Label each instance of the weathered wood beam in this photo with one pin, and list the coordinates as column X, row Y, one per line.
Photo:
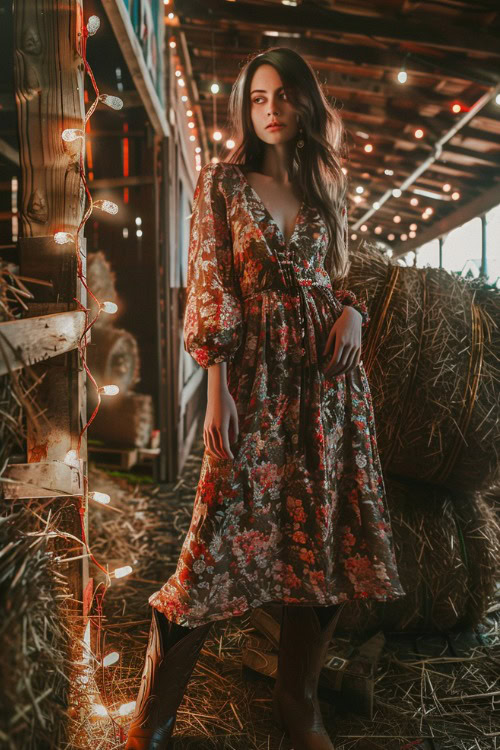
column 43, row 479
column 31, row 340
column 119, row 19
column 389, row 28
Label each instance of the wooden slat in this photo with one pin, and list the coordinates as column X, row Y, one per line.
column 119, row 19
column 42, row 479
column 31, row 340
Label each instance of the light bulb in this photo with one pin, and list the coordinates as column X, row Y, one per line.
column 93, row 24
column 99, row 709
column 217, row 135
column 71, row 134
column 402, row 76
column 126, row 708
column 110, row 658
column 214, row 88
column 112, row 101
column 360, row 189
column 99, row 497
column 376, row 205
column 62, row 238
column 396, row 192
column 71, row 458
column 120, row 572
column 105, row 205
column 363, row 228
column 396, row 219
column 109, row 307
column 109, row 390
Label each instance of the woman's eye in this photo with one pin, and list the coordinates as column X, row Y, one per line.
column 255, row 101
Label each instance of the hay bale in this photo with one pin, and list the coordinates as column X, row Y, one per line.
column 124, row 420
column 431, row 355
column 101, row 280
column 448, row 553
column 113, row 358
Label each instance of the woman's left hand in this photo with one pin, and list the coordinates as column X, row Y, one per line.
column 345, row 337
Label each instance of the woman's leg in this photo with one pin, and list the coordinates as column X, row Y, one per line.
column 171, row 655
column 305, row 635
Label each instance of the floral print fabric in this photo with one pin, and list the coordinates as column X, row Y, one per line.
column 299, row 515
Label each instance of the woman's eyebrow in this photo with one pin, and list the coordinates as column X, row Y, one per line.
column 263, row 91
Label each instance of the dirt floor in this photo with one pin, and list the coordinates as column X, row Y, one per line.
column 430, row 692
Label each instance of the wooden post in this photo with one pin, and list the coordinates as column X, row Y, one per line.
column 49, row 89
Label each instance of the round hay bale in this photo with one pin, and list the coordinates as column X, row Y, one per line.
column 101, row 280
column 113, row 358
column 447, row 548
column 431, row 355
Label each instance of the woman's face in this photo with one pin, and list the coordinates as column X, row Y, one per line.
column 269, row 103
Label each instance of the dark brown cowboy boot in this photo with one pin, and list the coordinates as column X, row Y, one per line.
column 305, row 636
column 171, row 655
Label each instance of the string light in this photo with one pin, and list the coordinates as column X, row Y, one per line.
column 368, row 148
column 214, row 88
column 217, row 135
column 71, row 134
column 419, row 133
column 390, row 236
column 396, row 219
column 360, row 189
column 413, row 227
column 396, row 192
column 109, row 307
column 93, row 25
column 62, row 238
column 389, row 172
column 110, row 659
column 100, row 497
column 109, row 390
column 455, row 196
column 446, row 187
column 364, row 228
column 107, row 206
column 111, row 101
column 378, row 230
column 126, row 708
column 121, row 572
column 414, row 201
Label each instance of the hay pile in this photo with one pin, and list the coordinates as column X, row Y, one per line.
column 431, row 354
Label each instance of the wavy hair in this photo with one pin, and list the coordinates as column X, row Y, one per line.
column 314, row 169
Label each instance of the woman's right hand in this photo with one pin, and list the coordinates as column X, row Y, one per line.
column 221, row 422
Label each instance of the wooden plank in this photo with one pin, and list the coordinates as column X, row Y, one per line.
column 31, row 340
column 129, row 44
column 42, row 479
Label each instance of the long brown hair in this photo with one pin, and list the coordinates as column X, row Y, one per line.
column 314, row 169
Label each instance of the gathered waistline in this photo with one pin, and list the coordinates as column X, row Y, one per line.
column 291, row 292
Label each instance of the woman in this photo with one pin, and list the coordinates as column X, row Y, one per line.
column 290, row 506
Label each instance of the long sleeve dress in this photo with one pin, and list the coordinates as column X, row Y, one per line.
column 299, row 516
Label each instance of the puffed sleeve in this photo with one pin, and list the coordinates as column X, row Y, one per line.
column 346, row 296
column 213, row 315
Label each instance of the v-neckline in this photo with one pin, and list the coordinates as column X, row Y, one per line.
column 269, row 215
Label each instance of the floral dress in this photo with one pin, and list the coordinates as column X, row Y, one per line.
column 299, row 516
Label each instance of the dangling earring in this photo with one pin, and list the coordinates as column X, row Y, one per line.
column 300, row 142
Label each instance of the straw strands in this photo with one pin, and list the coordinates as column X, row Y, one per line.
column 431, row 355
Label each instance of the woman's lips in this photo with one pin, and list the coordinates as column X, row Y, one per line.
column 275, row 127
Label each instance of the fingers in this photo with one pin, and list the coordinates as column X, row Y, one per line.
column 217, row 443
column 349, row 358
